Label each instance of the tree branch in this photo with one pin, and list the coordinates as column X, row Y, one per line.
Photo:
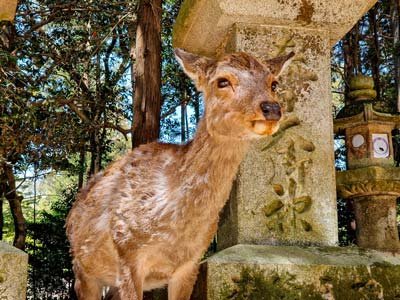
column 124, row 131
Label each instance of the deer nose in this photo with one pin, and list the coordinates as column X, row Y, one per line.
column 271, row 111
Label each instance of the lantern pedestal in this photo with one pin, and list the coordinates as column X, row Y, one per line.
column 376, row 222
column 374, row 191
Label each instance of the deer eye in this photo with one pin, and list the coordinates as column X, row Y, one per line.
column 274, row 86
column 223, row 83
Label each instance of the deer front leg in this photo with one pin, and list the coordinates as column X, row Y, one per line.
column 180, row 285
column 86, row 287
column 131, row 282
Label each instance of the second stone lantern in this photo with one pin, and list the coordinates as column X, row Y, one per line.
column 371, row 181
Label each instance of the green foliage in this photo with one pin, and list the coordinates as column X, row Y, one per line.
column 50, row 273
column 347, row 234
column 64, row 79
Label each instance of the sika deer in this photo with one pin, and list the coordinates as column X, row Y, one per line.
column 146, row 221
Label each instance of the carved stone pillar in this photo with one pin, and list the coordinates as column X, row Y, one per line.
column 285, row 189
column 278, row 196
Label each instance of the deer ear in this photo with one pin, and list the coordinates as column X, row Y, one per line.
column 278, row 64
column 195, row 66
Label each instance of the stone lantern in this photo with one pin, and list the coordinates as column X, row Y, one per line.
column 371, row 180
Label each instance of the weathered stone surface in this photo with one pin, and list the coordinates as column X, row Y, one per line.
column 270, row 272
column 13, row 273
column 285, row 189
column 286, row 193
column 7, row 9
column 202, row 25
column 376, row 219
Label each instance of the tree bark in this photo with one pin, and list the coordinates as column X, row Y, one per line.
column 348, row 65
column 395, row 16
column 16, row 209
column 375, row 52
column 1, row 217
column 196, row 104
column 356, row 48
column 82, row 157
column 184, row 131
column 351, row 56
column 183, row 127
column 147, row 102
column 95, row 158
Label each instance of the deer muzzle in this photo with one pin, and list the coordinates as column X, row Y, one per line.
column 271, row 111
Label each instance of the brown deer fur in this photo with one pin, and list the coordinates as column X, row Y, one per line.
column 146, row 221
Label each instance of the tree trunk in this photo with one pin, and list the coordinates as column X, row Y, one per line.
column 183, row 127
column 16, row 209
column 184, row 131
column 196, row 103
column 187, row 123
column 95, row 159
column 1, row 216
column 351, row 56
column 355, row 46
column 82, row 157
column 147, row 102
column 395, row 16
column 375, row 52
column 348, row 65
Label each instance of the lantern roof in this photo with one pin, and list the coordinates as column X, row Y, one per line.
column 363, row 112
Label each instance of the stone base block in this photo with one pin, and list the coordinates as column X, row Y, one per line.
column 284, row 272
column 13, row 273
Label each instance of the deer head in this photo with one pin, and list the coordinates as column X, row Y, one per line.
column 240, row 92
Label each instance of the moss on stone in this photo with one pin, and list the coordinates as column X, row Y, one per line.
column 364, row 282
column 376, row 282
column 282, row 272
column 361, row 82
column 364, row 94
column 373, row 280
column 357, row 107
column 181, row 20
column 256, row 284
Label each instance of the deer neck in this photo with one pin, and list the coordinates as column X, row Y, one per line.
column 209, row 166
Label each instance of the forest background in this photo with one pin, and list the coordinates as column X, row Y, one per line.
column 81, row 82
